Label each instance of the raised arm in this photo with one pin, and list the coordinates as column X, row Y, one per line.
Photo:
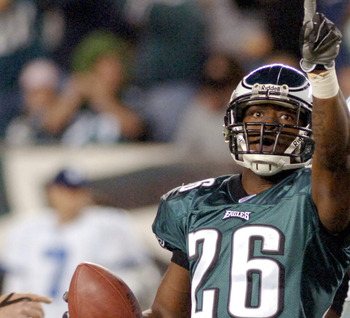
column 331, row 172
column 330, row 121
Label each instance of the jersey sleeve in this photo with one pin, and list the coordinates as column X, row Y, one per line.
column 170, row 224
column 175, row 209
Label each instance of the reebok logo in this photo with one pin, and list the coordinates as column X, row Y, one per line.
column 236, row 214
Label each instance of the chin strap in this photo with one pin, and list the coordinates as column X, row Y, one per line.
column 296, row 143
column 7, row 300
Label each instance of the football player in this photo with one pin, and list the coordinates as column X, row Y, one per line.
column 275, row 240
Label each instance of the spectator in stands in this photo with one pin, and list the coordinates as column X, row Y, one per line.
column 96, row 88
column 42, row 120
column 81, row 17
column 170, row 52
column 237, row 30
column 199, row 132
column 83, row 107
column 21, row 26
column 41, row 254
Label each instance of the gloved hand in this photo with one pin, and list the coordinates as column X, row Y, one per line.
column 320, row 39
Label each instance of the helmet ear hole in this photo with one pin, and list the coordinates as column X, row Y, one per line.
column 274, row 84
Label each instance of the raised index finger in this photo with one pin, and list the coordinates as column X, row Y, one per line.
column 309, row 10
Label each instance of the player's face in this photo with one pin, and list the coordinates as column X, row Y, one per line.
column 271, row 115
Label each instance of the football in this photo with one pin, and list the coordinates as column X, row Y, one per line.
column 95, row 292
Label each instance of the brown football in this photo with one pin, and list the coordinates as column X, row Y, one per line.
column 95, row 292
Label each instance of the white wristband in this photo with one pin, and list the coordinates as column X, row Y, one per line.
column 325, row 84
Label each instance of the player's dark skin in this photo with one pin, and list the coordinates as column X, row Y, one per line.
column 330, row 185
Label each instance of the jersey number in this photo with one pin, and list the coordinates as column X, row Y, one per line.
column 247, row 272
column 59, row 258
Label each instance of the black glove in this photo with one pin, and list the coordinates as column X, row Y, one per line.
column 320, row 40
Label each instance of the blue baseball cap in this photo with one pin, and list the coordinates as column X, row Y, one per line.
column 70, row 178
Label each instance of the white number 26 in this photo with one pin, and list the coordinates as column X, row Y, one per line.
column 243, row 265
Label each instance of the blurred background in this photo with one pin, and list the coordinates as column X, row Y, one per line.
column 133, row 94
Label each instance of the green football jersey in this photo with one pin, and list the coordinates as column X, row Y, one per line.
column 261, row 256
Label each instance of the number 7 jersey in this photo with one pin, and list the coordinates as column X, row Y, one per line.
column 261, row 256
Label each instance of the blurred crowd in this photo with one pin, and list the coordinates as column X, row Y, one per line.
column 109, row 72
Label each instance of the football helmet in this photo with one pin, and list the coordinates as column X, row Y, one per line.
column 284, row 87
